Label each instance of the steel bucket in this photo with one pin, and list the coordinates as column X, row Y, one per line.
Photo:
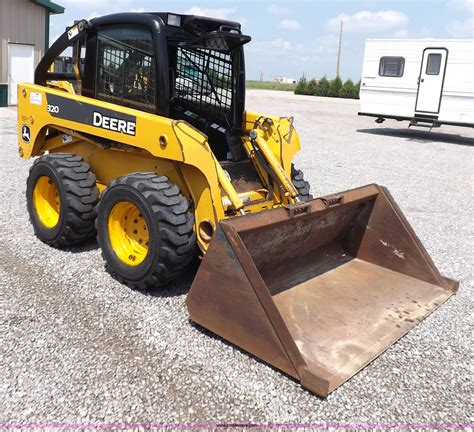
column 320, row 289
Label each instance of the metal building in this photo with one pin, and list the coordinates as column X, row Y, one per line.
column 24, row 36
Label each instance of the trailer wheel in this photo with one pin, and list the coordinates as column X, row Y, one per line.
column 145, row 230
column 301, row 185
column 61, row 196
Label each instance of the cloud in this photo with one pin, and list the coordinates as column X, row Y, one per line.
column 461, row 29
column 462, row 5
column 266, row 49
column 92, row 15
column 289, row 24
column 222, row 13
column 369, row 21
column 66, row 2
column 307, row 59
column 403, row 33
column 102, row 3
column 243, row 21
column 423, row 32
column 137, row 10
column 276, row 9
column 278, row 44
column 322, row 45
column 103, row 7
column 295, row 54
column 325, row 44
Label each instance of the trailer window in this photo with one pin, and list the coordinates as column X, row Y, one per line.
column 125, row 68
column 433, row 64
column 391, row 66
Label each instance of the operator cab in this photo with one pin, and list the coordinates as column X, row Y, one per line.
column 178, row 66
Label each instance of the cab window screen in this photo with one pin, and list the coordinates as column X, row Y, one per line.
column 391, row 66
column 125, row 69
column 433, row 64
column 204, row 85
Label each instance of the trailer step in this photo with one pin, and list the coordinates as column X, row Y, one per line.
column 424, row 123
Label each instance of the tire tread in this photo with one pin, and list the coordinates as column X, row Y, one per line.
column 177, row 237
column 302, row 186
column 81, row 196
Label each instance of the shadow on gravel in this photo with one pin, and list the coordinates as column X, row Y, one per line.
column 421, row 136
column 247, row 354
column 83, row 248
column 179, row 287
column 182, row 287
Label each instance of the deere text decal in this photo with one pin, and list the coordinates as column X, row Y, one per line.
column 114, row 124
column 91, row 115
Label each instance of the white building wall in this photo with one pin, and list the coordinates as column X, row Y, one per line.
column 22, row 22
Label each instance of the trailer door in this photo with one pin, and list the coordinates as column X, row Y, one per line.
column 431, row 79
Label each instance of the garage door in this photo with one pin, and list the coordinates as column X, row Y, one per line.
column 21, row 68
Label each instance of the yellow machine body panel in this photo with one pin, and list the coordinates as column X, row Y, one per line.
column 117, row 140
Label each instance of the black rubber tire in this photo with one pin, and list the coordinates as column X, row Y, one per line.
column 172, row 240
column 301, row 185
column 78, row 195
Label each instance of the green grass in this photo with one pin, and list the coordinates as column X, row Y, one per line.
column 268, row 85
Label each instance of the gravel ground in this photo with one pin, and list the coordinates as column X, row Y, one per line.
column 77, row 346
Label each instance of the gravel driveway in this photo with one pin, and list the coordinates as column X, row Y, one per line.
column 78, row 347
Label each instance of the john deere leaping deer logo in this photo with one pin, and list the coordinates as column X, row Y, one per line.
column 25, row 133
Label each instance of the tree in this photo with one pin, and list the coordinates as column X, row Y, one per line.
column 356, row 90
column 323, row 87
column 347, row 90
column 312, row 87
column 301, row 86
column 335, row 87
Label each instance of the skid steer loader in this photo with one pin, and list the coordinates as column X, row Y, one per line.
column 147, row 145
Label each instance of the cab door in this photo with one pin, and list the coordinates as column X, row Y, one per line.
column 431, row 79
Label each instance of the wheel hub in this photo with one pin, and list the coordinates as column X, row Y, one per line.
column 46, row 202
column 128, row 233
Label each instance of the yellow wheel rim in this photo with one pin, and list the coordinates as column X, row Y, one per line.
column 128, row 233
column 46, row 202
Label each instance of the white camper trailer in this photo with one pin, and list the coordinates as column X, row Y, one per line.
column 428, row 82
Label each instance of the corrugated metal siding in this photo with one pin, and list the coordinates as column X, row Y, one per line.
column 23, row 22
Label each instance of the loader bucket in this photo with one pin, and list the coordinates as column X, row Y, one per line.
column 320, row 289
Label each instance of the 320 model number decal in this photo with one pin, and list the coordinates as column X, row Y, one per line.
column 54, row 109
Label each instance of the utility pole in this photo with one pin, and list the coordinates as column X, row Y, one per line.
column 261, row 75
column 339, row 50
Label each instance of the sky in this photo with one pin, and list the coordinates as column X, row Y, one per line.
column 292, row 38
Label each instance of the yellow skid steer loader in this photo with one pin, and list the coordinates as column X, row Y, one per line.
column 147, row 145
